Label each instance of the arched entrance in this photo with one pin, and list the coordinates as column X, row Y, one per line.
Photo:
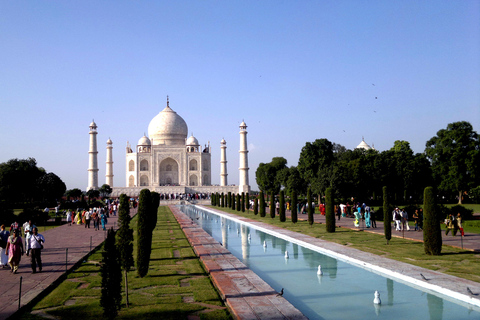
column 169, row 172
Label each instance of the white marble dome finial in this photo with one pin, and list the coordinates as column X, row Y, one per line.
column 319, row 271
column 377, row 300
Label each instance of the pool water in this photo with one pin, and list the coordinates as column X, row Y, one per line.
column 344, row 291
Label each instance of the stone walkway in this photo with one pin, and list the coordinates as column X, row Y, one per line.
column 76, row 238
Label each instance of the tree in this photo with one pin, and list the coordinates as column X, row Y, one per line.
column 92, row 193
column 262, row 204
column 154, row 209
column 105, row 190
column 51, row 187
column 243, row 201
column 255, row 206
column 282, row 207
column 310, row 207
column 144, row 243
column 233, row 202
column 212, row 199
column 329, row 211
column 238, row 203
column 247, row 204
column 111, row 274
column 432, row 233
column 313, row 157
column 455, row 156
column 267, row 174
column 229, row 200
column 125, row 239
column 272, row 205
column 222, row 200
column 73, row 193
column 293, row 207
column 387, row 217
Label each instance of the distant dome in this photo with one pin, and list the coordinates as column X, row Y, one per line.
column 168, row 128
column 243, row 124
column 223, row 141
column 109, row 141
column 192, row 141
column 144, row 141
column 363, row 145
column 93, row 124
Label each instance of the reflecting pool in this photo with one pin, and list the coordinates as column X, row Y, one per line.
column 343, row 291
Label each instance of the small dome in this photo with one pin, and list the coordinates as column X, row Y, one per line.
column 192, row 141
column 223, row 141
column 363, row 145
column 243, row 124
column 168, row 128
column 93, row 124
column 109, row 141
column 144, row 141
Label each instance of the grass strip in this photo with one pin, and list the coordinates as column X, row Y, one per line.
column 175, row 287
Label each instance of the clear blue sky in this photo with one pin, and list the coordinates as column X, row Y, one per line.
column 295, row 71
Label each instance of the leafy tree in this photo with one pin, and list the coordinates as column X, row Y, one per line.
column 313, row 157
column 272, row 205
column 255, row 206
column 294, row 181
column 125, row 239
column 91, row 194
column 310, row 207
column 111, row 274
column 262, row 204
column 432, row 234
column 282, row 207
column 266, row 174
column 455, row 156
column 74, row 193
column 329, row 211
column 387, row 217
column 293, row 207
column 105, row 190
column 144, row 243
column 51, row 187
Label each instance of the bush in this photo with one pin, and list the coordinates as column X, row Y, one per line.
column 329, row 212
column 282, row 207
column 262, row 204
column 144, row 239
column 293, row 207
column 432, row 236
column 467, row 214
column 37, row 216
column 111, row 278
column 255, row 206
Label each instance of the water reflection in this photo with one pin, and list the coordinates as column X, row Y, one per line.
column 343, row 291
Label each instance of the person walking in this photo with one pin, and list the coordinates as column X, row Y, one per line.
column 15, row 250
column 397, row 217
column 36, row 246
column 373, row 218
column 4, row 234
column 404, row 214
column 415, row 218
column 459, row 224
column 28, row 230
column 88, row 214
column 367, row 217
column 103, row 219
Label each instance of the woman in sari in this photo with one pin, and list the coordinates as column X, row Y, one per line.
column 15, row 250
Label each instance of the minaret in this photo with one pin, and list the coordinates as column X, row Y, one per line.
column 223, row 163
column 243, row 169
column 92, row 158
column 109, row 174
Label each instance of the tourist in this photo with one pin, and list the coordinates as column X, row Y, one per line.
column 358, row 216
column 69, row 218
column 3, row 245
column 397, row 217
column 28, row 230
column 94, row 218
column 420, row 219
column 373, row 218
column 78, row 219
column 15, row 250
column 449, row 222
column 103, row 219
column 36, row 246
column 14, row 226
column 88, row 213
column 367, row 216
column 415, row 218
column 459, row 224
column 404, row 214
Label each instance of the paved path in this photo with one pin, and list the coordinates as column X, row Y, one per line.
column 471, row 241
column 76, row 238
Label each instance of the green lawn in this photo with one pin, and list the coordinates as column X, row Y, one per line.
column 460, row 263
column 176, row 285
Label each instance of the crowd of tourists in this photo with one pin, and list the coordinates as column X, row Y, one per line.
column 13, row 247
column 184, row 196
column 98, row 216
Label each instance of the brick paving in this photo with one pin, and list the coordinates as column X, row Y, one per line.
column 54, row 259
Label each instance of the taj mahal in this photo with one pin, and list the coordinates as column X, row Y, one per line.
column 166, row 161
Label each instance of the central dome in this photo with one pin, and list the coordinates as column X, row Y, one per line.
column 167, row 128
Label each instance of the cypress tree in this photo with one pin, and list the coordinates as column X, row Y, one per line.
column 329, row 211
column 293, row 207
column 238, row 202
column 125, row 239
column 218, row 199
column 262, row 204
column 154, row 210
column 255, row 206
column 282, row 207
column 144, row 242
column 111, row 274
column 310, row 207
column 247, row 204
column 243, row 201
column 233, row 201
column 432, row 233
column 387, row 217
column 229, row 200
column 222, row 200
column 212, row 199
column 272, row 205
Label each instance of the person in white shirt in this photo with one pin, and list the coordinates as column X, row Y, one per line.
column 28, row 230
column 36, row 246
